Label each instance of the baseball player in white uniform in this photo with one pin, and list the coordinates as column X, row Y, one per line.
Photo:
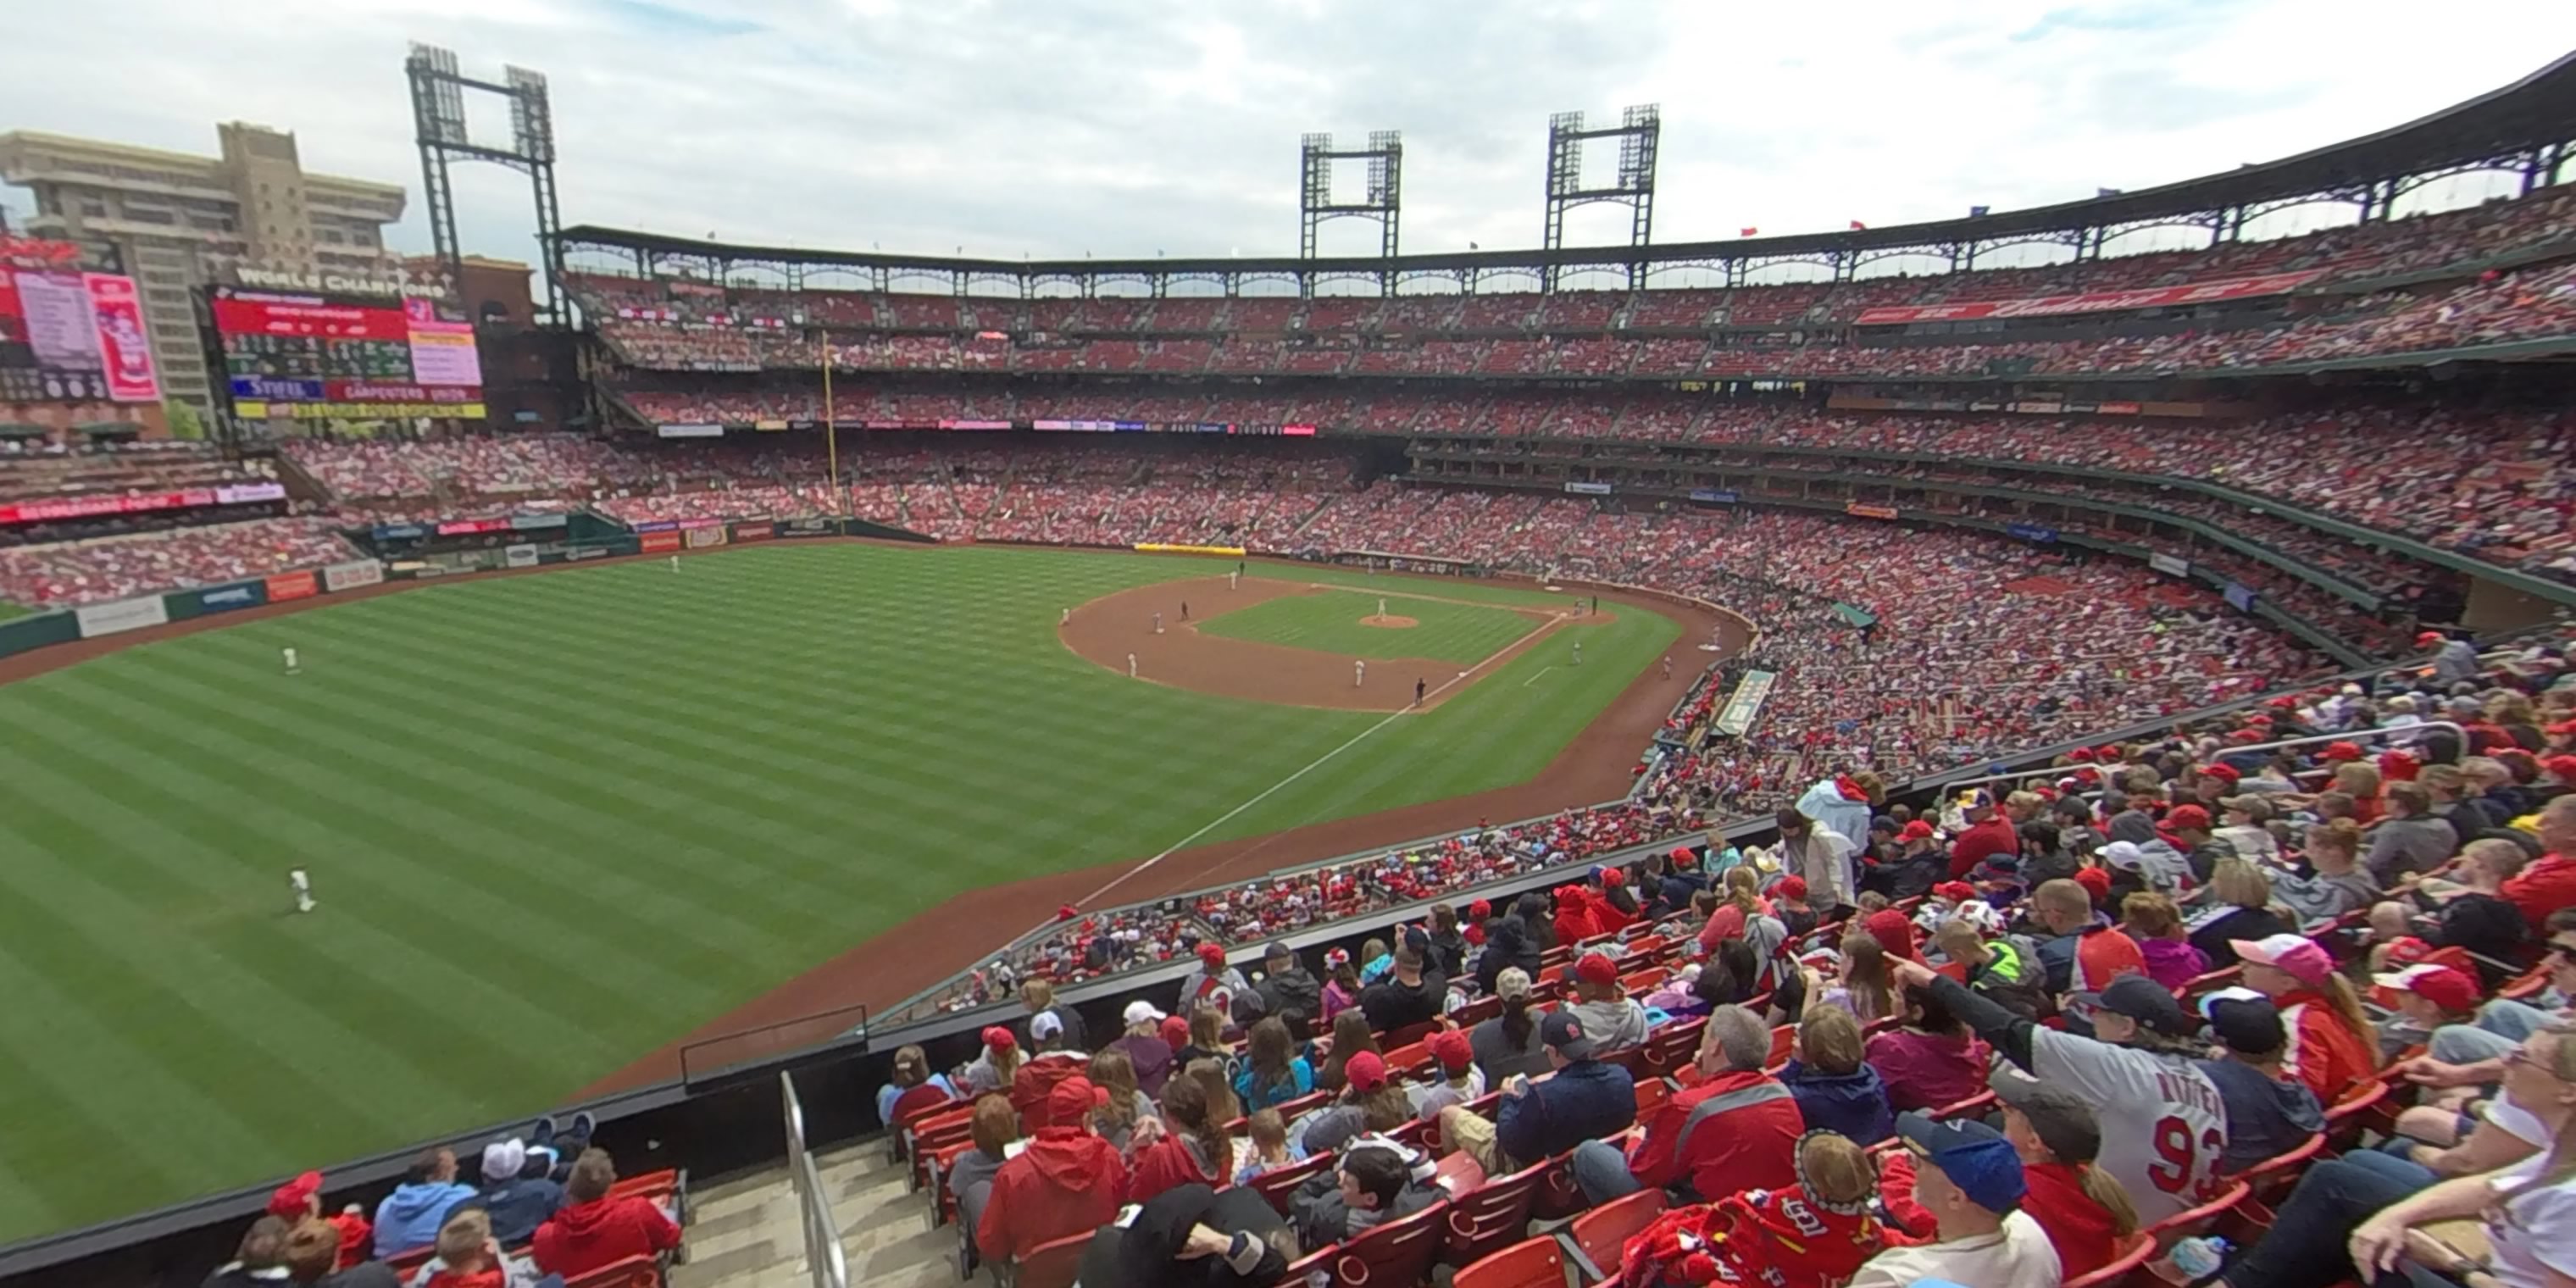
column 293, row 666
column 2164, row 1125
column 1359, row 674
column 301, row 887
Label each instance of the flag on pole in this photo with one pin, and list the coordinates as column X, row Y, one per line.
column 1747, row 231
column 1858, row 226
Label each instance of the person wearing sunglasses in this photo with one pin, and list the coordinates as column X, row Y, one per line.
column 2472, row 1055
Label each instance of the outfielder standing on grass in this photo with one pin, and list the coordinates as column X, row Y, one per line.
column 302, row 888
column 292, row 668
column 1578, row 652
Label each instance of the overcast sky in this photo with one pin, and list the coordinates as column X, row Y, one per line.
column 1127, row 128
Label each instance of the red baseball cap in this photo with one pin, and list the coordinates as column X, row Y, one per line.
column 1613, row 877
column 1955, row 891
column 2428, row 637
column 1072, row 1098
column 2225, row 773
column 1915, row 830
column 1175, row 1031
column 2397, row 766
column 1213, row 955
column 1596, row 968
column 2341, row 751
column 2081, row 755
column 1366, row 1072
column 1480, row 909
column 1793, row 887
column 2281, row 702
column 1892, row 931
column 1451, row 1048
column 2247, row 736
column 2440, row 985
column 2190, row 816
column 2562, row 768
column 2096, row 882
column 1000, row 1039
column 295, row 1198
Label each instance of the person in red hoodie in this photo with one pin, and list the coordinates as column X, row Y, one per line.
column 1573, row 914
column 1735, row 1129
column 1035, row 1083
column 1066, row 1182
column 300, row 1200
column 593, row 1230
column 2333, row 1046
column 1989, row 834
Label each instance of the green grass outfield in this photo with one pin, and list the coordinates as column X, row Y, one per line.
column 556, row 821
column 1330, row 623
column 9, row 610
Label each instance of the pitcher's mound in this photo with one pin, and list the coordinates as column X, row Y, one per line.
column 1391, row 621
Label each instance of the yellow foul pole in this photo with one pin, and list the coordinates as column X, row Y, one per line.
column 831, row 436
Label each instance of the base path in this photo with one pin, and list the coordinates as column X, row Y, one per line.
column 965, row 930
column 1110, row 629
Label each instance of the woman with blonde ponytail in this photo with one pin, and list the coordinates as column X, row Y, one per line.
column 2084, row 1209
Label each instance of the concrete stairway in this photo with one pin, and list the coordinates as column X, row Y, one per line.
column 743, row 1233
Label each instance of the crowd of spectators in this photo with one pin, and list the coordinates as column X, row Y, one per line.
column 68, row 574
column 1974, row 1040
column 41, row 470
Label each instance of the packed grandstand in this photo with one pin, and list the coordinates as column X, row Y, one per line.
column 2093, row 516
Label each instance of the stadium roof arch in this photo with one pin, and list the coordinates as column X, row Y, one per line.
column 2527, row 127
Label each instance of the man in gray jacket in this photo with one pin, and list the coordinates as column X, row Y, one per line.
column 1287, row 986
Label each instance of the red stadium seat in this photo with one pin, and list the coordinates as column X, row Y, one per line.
column 1052, row 1265
column 1490, row 1216
column 1674, row 1045
column 1601, row 1233
column 1651, row 1094
column 2140, row 1249
column 2273, row 1177
column 1531, row 1263
column 2197, row 1221
column 633, row 1272
column 2360, row 1108
column 1277, row 1186
column 1398, row 1254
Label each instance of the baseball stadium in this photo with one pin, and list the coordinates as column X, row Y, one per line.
column 828, row 767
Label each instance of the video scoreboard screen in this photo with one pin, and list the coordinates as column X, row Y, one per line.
column 68, row 335
column 331, row 357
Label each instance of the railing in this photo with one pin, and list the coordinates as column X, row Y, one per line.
column 706, row 1059
column 824, row 1260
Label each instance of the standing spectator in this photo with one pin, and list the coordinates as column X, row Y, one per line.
column 1836, row 1089
column 1286, row 985
column 1143, row 1045
column 1066, row 1181
column 1508, row 1044
column 1273, row 1073
column 1211, row 982
column 2269, row 1113
column 1930, row 1060
column 1820, row 855
column 411, row 1216
column 593, row 1229
column 2331, row 1039
column 970, row 1175
column 518, row 1203
column 1736, row 1129
column 1613, row 1019
column 1970, row 1180
column 1586, row 1100
column 1039, row 997
column 1190, row 1145
column 1032, row 1089
column 1412, row 995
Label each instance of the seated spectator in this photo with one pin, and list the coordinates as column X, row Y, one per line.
column 996, row 1068
column 2339, row 885
column 1971, row 1181
column 410, row 1217
column 2410, row 841
column 914, row 1087
column 2240, row 899
column 2064, row 911
column 2269, row 1113
column 1835, row 1088
column 1123, row 1105
column 1585, row 1100
column 970, row 1175
column 1613, row 1019
column 1272, row 1073
column 1411, row 995
column 1193, row 1236
column 1202, row 1037
column 1039, row 997
column 1142, row 1043
column 1508, row 1044
column 2084, row 1210
column 2153, row 920
column 1998, row 969
column 1066, row 1181
column 1351, row 1037
column 2473, row 1055
column 1736, row 1129
column 516, row 1202
column 2348, row 1217
column 1341, row 984
column 1508, row 946
column 2332, row 1042
column 1210, row 983
column 300, row 1200
column 2428, row 998
column 2242, row 833
column 1032, row 1089
column 1223, row 1105
column 313, row 1250
column 2549, row 883
column 1928, row 1061
column 1188, row 1145
column 1455, row 1079
column 259, row 1261
column 594, row 1229
column 1376, row 1181
column 1370, row 1101
column 1286, row 984
column 469, row 1257
column 2473, row 916
column 1813, row 1236
column 1269, row 1152
column 1861, row 985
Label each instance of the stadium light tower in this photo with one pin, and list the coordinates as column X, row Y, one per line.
column 438, row 120
column 1639, row 130
column 1383, row 202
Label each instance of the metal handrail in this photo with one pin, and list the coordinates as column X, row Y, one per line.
column 2357, row 735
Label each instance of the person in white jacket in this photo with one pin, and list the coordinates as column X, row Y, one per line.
column 1822, row 856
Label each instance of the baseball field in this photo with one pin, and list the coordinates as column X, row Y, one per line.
column 554, row 822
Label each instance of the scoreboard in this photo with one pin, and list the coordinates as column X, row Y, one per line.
column 67, row 335
column 327, row 357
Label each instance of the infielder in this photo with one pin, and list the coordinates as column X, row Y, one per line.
column 1419, row 688
column 1131, row 666
column 1185, row 610
column 302, row 889
column 1668, row 666
column 1158, row 623
column 1359, row 673
column 1578, row 652
column 1232, row 579
column 1066, row 620
column 292, row 668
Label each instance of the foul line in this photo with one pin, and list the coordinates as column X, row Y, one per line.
column 1318, row 763
column 1541, row 671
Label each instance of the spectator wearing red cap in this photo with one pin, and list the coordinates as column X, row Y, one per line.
column 300, row 1200
column 1989, row 835
column 1211, row 982
column 1614, row 905
column 2331, row 1038
column 1370, row 1101
column 596, row 1227
column 1068, row 1181
column 2196, row 836
column 1894, row 933
column 2425, row 997
column 995, row 1067
column 1915, row 866
column 1455, row 1080
column 1789, row 903
column 1574, row 922
column 1613, row 1020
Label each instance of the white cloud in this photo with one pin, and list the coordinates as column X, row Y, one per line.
column 1014, row 127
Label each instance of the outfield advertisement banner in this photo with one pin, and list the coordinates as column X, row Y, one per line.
column 1159, row 548
column 520, row 556
column 247, row 594
column 292, row 585
column 656, row 543
column 123, row 615
column 580, row 553
column 353, row 574
column 752, row 532
column 805, row 528
column 701, row 538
